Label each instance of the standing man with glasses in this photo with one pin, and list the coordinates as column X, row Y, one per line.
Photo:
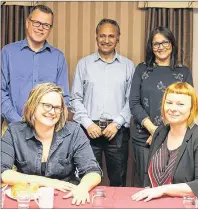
column 99, row 100
column 29, row 62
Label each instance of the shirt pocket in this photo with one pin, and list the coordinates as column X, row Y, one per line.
column 22, row 166
column 65, row 166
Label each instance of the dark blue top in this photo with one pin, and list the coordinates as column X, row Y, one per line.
column 22, row 69
column 147, row 89
column 70, row 152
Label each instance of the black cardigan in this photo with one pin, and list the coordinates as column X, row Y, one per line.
column 186, row 166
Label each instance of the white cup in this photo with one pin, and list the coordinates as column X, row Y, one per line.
column 45, row 197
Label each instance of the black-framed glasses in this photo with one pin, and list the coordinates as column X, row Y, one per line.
column 48, row 107
column 37, row 24
column 165, row 44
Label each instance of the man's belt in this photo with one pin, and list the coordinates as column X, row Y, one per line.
column 102, row 124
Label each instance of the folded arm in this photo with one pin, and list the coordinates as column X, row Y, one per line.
column 174, row 190
column 12, row 177
column 88, row 169
column 137, row 110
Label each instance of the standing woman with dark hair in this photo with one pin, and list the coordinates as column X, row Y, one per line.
column 148, row 85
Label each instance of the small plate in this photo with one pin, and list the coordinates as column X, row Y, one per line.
column 3, row 187
column 8, row 193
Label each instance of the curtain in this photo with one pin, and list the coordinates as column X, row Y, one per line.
column 13, row 23
column 75, row 22
column 180, row 22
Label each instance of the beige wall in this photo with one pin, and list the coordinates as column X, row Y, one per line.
column 75, row 23
column 74, row 30
column 195, row 49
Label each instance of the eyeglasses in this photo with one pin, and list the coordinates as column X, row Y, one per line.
column 37, row 24
column 165, row 44
column 48, row 107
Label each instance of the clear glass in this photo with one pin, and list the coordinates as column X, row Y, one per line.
column 2, row 198
column 189, row 202
column 102, row 122
column 23, row 199
column 98, row 198
column 196, row 203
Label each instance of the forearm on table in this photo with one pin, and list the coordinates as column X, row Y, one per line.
column 12, row 177
column 178, row 190
column 90, row 180
column 148, row 124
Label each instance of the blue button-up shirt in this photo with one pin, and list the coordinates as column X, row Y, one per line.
column 102, row 88
column 23, row 69
column 70, row 152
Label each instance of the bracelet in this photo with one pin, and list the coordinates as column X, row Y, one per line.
column 152, row 131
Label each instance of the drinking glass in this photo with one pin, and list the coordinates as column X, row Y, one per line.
column 189, row 201
column 98, row 198
column 23, row 199
column 2, row 198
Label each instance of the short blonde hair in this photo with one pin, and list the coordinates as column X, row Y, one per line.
column 34, row 99
column 186, row 89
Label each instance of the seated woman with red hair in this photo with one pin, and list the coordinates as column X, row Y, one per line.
column 173, row 157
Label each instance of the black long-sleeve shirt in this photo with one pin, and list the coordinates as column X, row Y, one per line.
column 147, row 89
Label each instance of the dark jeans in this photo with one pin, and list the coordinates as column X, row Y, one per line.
column 116, row 155
column 141, row 157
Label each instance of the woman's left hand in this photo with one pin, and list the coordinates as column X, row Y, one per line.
column 148, row 194
column 149, row 140
column 80, row 195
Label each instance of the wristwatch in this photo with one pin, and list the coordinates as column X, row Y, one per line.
column 118, row 126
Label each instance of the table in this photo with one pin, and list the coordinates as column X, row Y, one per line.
column 117, row 197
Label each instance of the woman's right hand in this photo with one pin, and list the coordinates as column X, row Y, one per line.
column 63, row 186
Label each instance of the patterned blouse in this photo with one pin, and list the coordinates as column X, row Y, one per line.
column 147, row 89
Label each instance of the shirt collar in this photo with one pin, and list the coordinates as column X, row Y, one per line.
column 30, row 133
column 192, row 124
column 116, row 57
column 25, row 44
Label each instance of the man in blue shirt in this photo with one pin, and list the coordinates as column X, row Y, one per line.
column 29, row 62
column 99, row 100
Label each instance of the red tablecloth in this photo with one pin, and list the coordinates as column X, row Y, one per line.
column 117, row 197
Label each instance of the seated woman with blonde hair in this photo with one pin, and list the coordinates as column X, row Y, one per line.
column 173, row 156
column 47, row 149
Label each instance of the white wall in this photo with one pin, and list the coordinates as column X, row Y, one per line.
column 195, row 49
